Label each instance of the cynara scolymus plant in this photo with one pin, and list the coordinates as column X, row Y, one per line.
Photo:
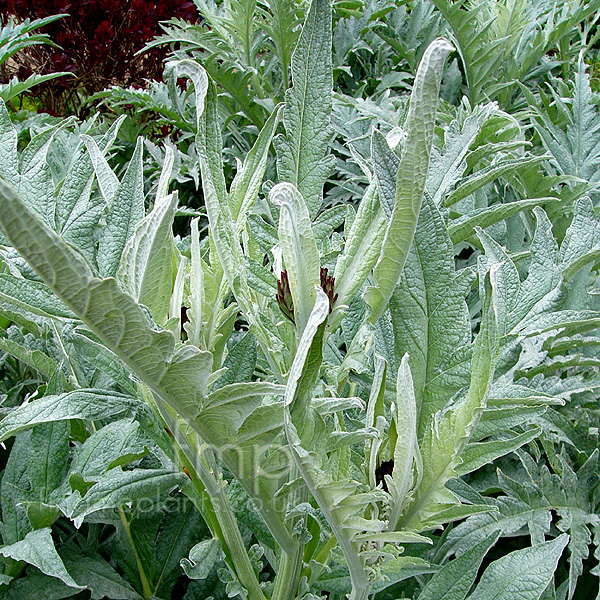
column 566, row 119
column 310, row 380
column 504, row 43
column 245, row 46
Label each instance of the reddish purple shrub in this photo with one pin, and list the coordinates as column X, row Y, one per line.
column 98, row 42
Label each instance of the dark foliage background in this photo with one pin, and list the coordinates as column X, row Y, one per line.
column 97, row 42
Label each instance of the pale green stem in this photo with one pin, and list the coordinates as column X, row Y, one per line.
column 290, row 564
column 288, row 575
column 143, row 578
column 224, row 513
column 358, row 576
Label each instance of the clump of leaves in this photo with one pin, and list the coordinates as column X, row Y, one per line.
column 15, row 38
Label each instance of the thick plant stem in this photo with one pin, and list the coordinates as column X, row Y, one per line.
column 290, row 564
column 288, row 575
column 239, row 555
column 227, row 523
column 229, row 529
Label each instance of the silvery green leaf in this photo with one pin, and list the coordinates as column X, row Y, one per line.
column 399, row 569
column 375, row 404
column 526, row 306
column 523, row 573
column 235, row 392
column 197, row 74
column 240, row 362
column 37, row 549
column 79, row 404
column 410, row 179
column 210, row 149
column 15, row 492
column 329, row 220
column 505, row 393
column 261, row 279
column 300, row 253
column 448, row 431
column 484, row 176
column 147, row 270
column 36, row 359
column 578, row 523
column 181, row 526
column 327, row 406
column 483, row 365
column 47, row 459
column 302, row 158
column 38, row 585
column 162, row 188
column 499, row 420
column 375, row 416
column 208, row 140
column 395, row 537
column 35, row 182
column 263, row 233
column 480, row 52
column 209, row 145
column 124, row 213
column 32, row 296
column 478, row 454
column 362, row 249
column 544, row 274
column 113, row 315
column 462, row 228
column 202, row 559
column 114, row 444
column 261, row 427
column 341, row 439
column 186, row 378
column 102, row 359
column 29, row 172
column 430, row 318
column 246, row 184
column 448, row 164
column 108, row 182
column 76, row 213
column 117, row 487
column 510, row 515
column 582, row 240
column 385, row 166
column 99, row 576
column 406, row 447
column 590, row 257
column 9, row 162
column 574, row 142
column 195, row 312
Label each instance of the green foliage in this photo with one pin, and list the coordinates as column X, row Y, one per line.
column 299, row 395
column 504, row 43
column 15, row 37
column 567, row 123
column 246, row 48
